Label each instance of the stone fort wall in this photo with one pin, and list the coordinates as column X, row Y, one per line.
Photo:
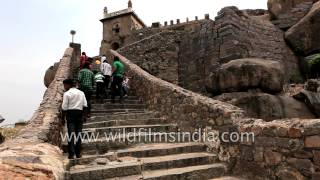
column 204, row 45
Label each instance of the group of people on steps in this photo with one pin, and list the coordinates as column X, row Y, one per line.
column 76, row 105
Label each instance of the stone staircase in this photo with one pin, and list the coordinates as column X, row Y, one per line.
column 148, row 157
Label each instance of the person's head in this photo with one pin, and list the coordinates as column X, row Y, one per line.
column 86, row 65
column 105, row 61
column 68, row 84
column 84, row 54
column 116, row 58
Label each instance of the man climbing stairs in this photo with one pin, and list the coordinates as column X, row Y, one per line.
column 145, row 156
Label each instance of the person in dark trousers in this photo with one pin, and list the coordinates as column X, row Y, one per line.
column 74, row 107
column 86, row 82
column 99, row 80
column 106, row 70
column 117, row 79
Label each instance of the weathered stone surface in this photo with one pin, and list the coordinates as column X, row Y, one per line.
column 50, row 74
column 316, row 157
column 243, row 74
column 289, row 174
column 272, row 157
column 304, row 36
column 313, row 85
column 312, row 141
column 158, row 55
column 286, row 13
column 267, row 107
column 312, row 100
column 303, row 165
column 31, row 160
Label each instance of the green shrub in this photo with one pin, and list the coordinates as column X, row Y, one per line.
column 314, row 65
column 296, row 78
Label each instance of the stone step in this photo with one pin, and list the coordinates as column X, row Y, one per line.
column 133, row 128
column 203, row 172
column 109, row 123
column 147, row 150
column 114, row 111
column 97, row 107
column 93, row 97
column 108, row 101
column 122, row 116
column 137, row 166
column 228, row 178
column 102, row 145
column 106, row 171
column 177, row 161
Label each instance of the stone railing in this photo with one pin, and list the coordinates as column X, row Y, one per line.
column 188, row 109
column 34, row 153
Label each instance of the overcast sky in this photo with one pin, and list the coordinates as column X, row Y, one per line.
column 35, row 33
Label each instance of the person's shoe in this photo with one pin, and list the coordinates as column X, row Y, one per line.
column 70, row 157
column 79, row 156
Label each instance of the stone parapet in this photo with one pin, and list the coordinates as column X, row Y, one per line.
column 188, row 109
column 282, row 149
column 34, row 153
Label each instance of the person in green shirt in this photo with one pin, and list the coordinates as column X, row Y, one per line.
column 86, row 82
column 117, row 74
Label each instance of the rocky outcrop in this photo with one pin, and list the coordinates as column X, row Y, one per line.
column 304, row 36
column 267, row 107
column 286, row 13
column 50, row 74
column 311, row 96
column 243, row 74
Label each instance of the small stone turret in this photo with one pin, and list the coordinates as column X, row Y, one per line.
column 130, row 4
column 105, row 11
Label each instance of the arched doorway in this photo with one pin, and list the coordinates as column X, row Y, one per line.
column 115, row 46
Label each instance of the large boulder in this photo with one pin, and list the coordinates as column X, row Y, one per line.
column 50, row 74
column 267, row 107
column 286, row 13
column 304, row 36
column 243, row 74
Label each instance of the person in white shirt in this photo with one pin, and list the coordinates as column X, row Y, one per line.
column 74, row 106
column 106, row 70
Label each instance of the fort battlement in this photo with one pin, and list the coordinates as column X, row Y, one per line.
column 179, row 22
